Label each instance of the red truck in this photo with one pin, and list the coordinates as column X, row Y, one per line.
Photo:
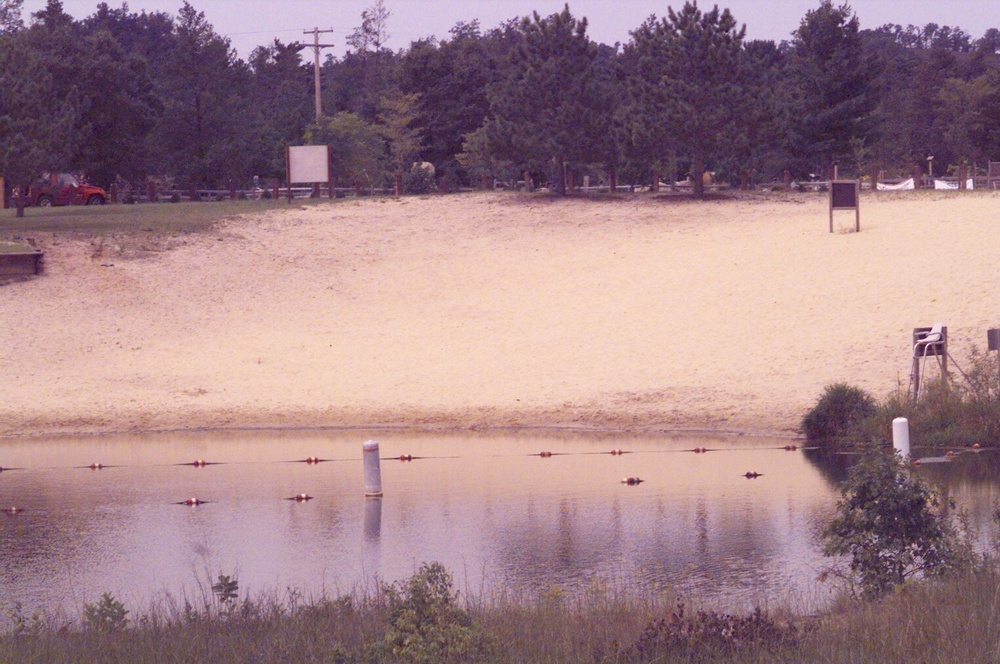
column 64, row 189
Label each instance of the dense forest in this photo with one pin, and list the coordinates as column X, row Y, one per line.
column 131, row 97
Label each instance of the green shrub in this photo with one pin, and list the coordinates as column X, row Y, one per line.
column 839, row 413
column 418, row 181
column 891, row 526
column 426, row 625
column 107, row 615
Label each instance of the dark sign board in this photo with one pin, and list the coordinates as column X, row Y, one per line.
column 845, row 195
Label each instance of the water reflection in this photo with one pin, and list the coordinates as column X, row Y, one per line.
column 490, row 508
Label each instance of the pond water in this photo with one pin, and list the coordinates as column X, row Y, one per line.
column 494, row 511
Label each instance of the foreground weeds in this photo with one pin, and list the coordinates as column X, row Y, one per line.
column 424, row 620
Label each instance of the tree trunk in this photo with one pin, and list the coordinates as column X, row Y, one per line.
column 399, row 184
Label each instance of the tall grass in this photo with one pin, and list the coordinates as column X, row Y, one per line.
column 960, row 410
column 953, row 620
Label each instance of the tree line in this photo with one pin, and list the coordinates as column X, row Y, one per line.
column 128, row 97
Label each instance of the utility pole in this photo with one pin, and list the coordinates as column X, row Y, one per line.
column 315, row 32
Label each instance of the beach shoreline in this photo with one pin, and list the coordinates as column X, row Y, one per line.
column 496, row 311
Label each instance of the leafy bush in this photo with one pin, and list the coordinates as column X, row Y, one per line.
column 891, row 526
column 418, row 181
column 839, row 412
column 107, row 615
column 425, row 623
column 708, row 636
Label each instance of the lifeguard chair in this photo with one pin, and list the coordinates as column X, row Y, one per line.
column 928, row 342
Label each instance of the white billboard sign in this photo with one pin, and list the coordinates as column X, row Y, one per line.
column 308, row 164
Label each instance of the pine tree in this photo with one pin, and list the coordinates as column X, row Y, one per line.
column 542, row 111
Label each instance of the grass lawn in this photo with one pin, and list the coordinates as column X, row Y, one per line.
column 155, row 218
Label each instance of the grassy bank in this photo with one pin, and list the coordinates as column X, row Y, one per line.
column 158, row 218
column 421, row 621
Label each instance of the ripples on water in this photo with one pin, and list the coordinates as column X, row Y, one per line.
column 495, row 512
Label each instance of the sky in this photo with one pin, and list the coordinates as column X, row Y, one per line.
column 252, row 24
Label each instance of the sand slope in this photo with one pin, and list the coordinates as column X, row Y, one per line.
column 498, row 310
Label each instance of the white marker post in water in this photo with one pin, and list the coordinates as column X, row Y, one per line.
column 373, row 469
column 901, row 437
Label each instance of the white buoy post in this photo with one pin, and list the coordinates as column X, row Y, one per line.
column 901, row 437
column 373, row 470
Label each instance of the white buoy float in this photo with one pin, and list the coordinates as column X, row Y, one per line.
column 901, row 437
column 373, row 469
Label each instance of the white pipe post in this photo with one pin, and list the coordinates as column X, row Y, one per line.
column 373, row 469
column 901, row 437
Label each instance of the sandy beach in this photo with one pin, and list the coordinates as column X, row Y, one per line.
column 645, row 313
